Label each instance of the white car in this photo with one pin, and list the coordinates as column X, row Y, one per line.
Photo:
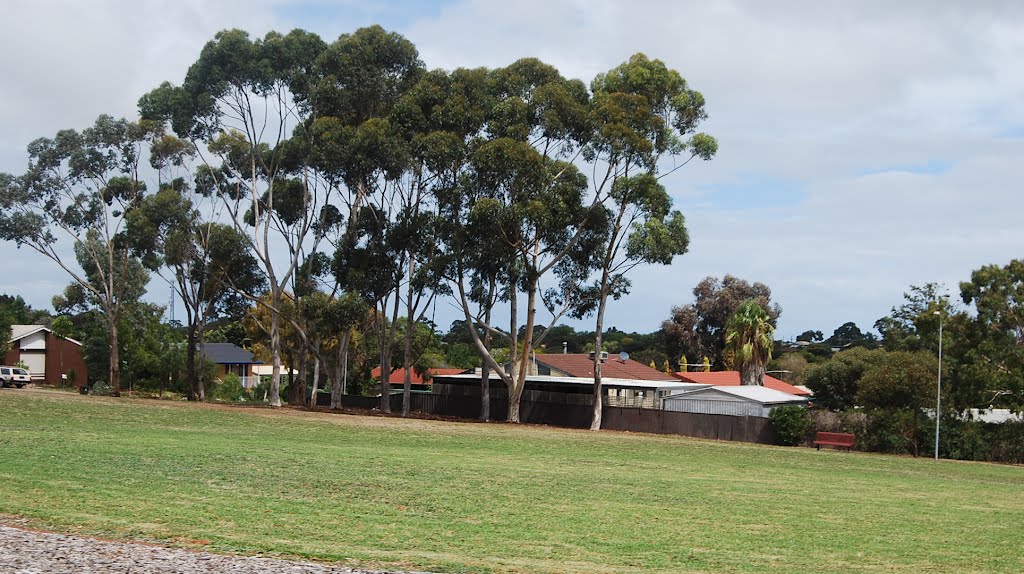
column 13, row 377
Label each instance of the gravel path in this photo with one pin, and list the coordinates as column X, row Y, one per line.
column 30, row 552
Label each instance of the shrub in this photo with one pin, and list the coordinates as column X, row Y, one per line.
column 790, row 424
column 229, row 389
column 101, row 388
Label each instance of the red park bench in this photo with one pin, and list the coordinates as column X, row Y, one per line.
column 837, row 439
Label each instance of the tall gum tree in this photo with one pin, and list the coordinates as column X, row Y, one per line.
column 643, row 114
column 359, row 80
column 438, row 118
column 442, row 118
column 78, row 188
column 522, row 192
column 238, row 105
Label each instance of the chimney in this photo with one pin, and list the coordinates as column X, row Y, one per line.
column 565, row 347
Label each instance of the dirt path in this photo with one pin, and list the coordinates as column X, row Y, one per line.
column 33, row 552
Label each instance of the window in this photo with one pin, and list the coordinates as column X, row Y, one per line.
column 20, row 372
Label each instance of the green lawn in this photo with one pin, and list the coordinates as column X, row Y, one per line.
column 491, row 498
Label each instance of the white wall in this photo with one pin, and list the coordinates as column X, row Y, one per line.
column 34, row 342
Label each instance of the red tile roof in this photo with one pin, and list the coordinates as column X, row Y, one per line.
column 582, row 365
column 732, row 379
column 398, row 375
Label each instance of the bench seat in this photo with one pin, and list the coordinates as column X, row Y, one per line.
column 836, row 439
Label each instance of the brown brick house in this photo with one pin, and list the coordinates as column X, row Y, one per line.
column 50, row 359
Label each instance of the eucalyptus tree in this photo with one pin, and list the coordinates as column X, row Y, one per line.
column 644, row 113
column 208, row 264
column 996, row 353
column 341, row 317
column 522, row 201
column 358, row 147
column 244, row 105
column 443, row 117
column 439, row 117
column 79, row 187
column 749, row 336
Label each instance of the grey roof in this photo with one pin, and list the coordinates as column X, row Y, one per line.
column 229, row 354
column 754, row 394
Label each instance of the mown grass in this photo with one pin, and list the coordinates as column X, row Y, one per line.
column 491, row 497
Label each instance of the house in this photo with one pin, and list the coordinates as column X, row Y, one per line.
column 231, row 358
column 732, row 379
column 750, row 401
column 582, row 365
column 397, row 377
column 51, row 359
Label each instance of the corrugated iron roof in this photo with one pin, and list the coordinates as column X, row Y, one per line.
column 757, row 394
column 732, row 379
column 582, row 365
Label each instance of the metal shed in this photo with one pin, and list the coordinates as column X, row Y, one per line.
column 735, row 401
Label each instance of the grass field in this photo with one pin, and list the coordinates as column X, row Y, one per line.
column 491, row 497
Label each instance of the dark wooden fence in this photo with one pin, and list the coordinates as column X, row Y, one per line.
column 720, row 427
column 569, row 413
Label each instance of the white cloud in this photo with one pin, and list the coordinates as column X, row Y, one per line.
column 811, row 93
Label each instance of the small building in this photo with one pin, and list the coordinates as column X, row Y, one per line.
column 732, row 379
column 231, row 358
column 748, row 401
column 50, row 359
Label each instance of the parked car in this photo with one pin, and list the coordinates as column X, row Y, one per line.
column 13, row 377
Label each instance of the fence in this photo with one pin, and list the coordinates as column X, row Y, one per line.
column 569, row 412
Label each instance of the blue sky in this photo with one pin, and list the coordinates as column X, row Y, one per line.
column 864, row 146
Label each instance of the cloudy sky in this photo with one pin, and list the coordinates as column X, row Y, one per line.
column 864, row 146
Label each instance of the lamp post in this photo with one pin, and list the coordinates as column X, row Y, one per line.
column 938, row 391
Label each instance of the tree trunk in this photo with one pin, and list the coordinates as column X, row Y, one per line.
column 595, row 421
column 515, row 395
column 340, row 368
column 115, row 359
column 200, row 371
column 609, row 257
column 485, row 369
column 190, row 363
column 747, row 377
column 297, row 384
column 513, row 360
column 274, row 395
column 485, row 392
column 385, row 361
column 522, row 362
column 407, row 360
column 316, row 378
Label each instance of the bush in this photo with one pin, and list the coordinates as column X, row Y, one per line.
column 101, row 388
column 229, row 389
column 790, row 424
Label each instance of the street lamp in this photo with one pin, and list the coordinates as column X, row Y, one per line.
column 938, row 392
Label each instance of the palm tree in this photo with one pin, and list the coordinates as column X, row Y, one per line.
column 749, row 336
